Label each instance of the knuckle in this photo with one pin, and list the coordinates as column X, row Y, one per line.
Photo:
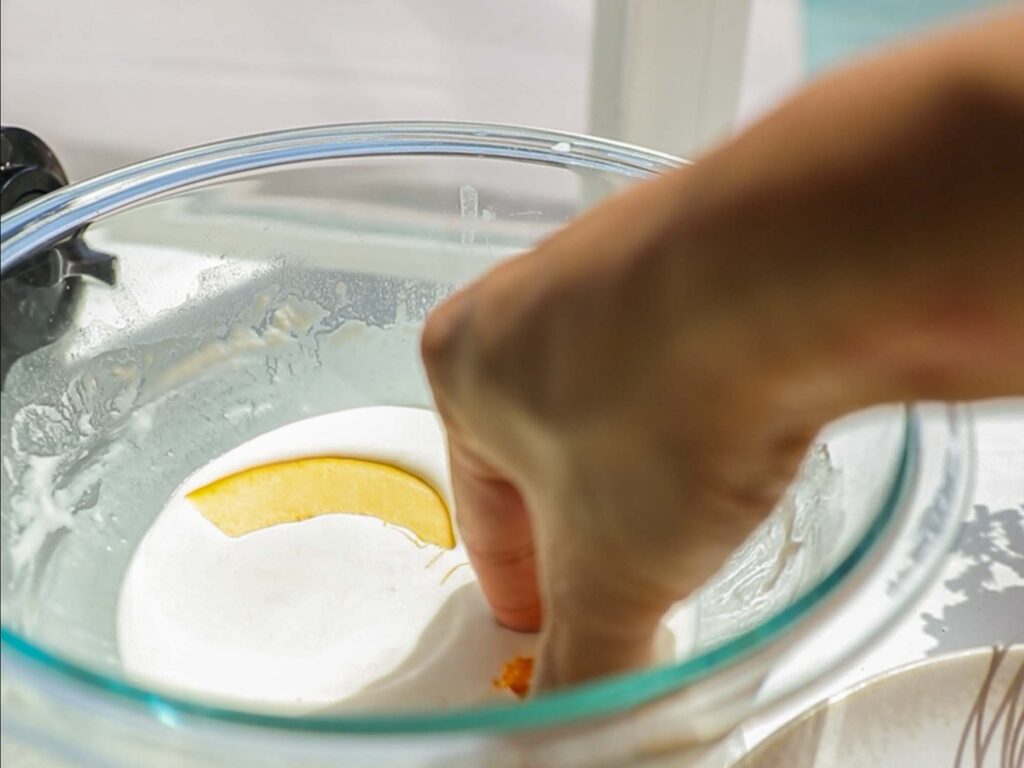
column 437, row 342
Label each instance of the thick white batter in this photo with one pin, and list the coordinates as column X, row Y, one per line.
column 340, row 611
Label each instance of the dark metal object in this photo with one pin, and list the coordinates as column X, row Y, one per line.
column 39, row 301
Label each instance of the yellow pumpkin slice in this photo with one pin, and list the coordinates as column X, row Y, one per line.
column 291, row 491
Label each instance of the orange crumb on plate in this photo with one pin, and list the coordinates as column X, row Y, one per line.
column 515, row 676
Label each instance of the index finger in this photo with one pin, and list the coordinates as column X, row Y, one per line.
column 496, row 530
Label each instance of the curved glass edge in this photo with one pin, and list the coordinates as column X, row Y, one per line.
column 599, row 699
column 951, row 492
column 49, row 219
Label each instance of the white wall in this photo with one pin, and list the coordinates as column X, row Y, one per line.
column 111, row 82
column 108, row 83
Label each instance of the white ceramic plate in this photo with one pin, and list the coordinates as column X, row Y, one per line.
column 965, row 710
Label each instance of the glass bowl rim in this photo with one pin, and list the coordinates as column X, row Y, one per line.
column 48, row 219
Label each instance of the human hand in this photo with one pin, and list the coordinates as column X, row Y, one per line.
column 625, row 403
column 611, row 438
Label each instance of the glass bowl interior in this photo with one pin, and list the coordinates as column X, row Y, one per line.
column 271, row 279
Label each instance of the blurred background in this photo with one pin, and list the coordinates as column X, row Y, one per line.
column 108, row 83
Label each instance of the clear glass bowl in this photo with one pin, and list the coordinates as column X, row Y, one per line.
column 247, row 277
